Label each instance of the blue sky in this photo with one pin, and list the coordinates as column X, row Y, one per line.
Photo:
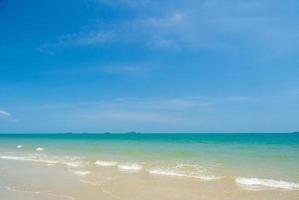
column 149, row 65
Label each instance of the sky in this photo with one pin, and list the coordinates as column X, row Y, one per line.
column 149, row 66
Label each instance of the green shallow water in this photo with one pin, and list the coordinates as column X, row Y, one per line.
column 272, row 156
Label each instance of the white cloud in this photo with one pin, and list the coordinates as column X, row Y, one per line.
column 178, row 17
column 212, row 24
column 80, row 39
column 166, row 21
column 5, row 114
column 192, row 24
column 129, row 69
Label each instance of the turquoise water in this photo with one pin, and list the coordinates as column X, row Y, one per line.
column 267, row 156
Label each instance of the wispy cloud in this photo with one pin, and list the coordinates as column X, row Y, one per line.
column 174, row 104
column 195, row 113
column 211, row 24
column 81, row 39
column 7, row 116
column 125, row 69
column 172, row 19
column 135, row 104
column 93, row 38
column 193, row 24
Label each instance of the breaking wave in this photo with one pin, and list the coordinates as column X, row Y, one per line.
column 269, row 183
column 130, row 167
column 179, row 173
column 105, row 163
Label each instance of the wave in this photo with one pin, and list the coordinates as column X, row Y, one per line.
column 130, row 167
column 74, row 164
column 30, row 159
column 180, row 170
column 177, row 173
column 82, row 173
column 258, row 182
column 165, row 172
column 20, row 146
column 39, row 149
column 188, row 171
column 105, row 163
column 70, row 162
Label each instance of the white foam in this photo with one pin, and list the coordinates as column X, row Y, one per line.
column 30, row 159
column 206, row 177
column 9, row 188
column 82, row 173
column 74, row 164
column 177, row 173
column 130, row 167
column 20, row 146
column 105, row 163
column 165, row 172
column 40, row 149
column 12, row 157
column 267, row 183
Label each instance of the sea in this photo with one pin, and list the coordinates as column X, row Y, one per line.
column 149, row 166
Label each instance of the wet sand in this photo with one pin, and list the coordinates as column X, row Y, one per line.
column 35, row 181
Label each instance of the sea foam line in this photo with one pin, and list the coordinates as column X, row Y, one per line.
column 103, row 163
column 39, row 149
column 21, row 158
column 70, row 162
column 74, row 164
column 130, row 167
column 267, row 183
column 82, row 173
column 176, row 173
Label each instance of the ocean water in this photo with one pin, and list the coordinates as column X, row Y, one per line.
column 246, row 161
